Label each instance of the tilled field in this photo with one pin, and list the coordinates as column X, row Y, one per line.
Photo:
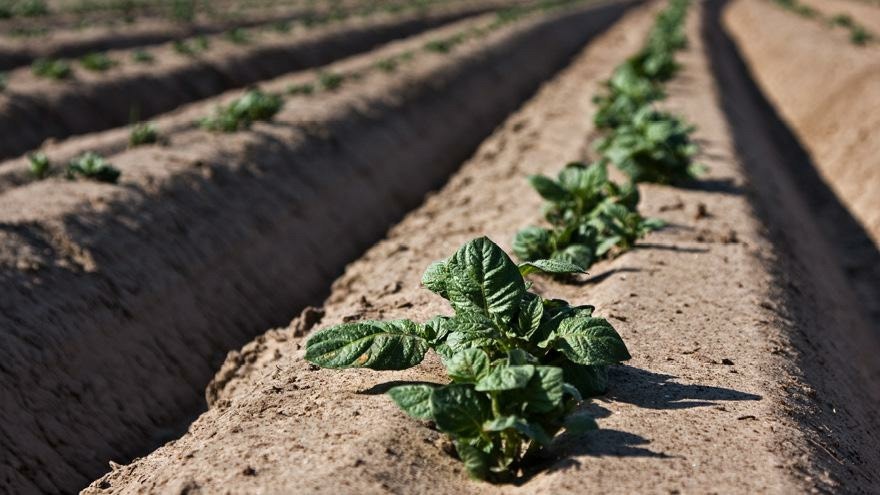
column 751, row 326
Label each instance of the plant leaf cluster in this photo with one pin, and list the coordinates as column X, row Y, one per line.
column 646, row 144
column 255, row 105
column 97, row 62
column 518, row 364
column 590, row 217
column 143, row 133
column 51, row 68
column 93, row 166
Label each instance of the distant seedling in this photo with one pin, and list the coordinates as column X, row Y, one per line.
column 255, row 105
column 4, row 81
column 238, row 36
column 51, row 68
column 330, row 81
column 142, row 56
column 301, row 89
column 93, row 166
column 39, row 165
column 193, row 47
column 143, row 133
column 98, row 62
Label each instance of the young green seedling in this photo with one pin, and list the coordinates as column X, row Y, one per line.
column 93, row 166
column 627, row 92
column 97, row 62
column 590, row 216
column 142, row 56
column 39, row 165
column 653, row 147
column 518, row 362
column 254, row 105
column 51, row 68
column 143, row 133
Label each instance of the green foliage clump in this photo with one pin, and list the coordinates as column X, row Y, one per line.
column 142, row 56
column 518, row 364
column 97, row 62
column 93, row 166
column 193, row 47
column 301, row 89
column 4, row 81
column 143, row 133
column 330, row 81
column 39, row 165
column 590, row 217
column 654, row 146
column 254, row 105
column 627, row 92
column 51, row 68
column 238, row 36
column 23, row 8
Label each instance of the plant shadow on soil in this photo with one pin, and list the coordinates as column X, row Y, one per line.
column 639, row 387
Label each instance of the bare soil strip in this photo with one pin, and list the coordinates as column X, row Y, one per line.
column 751, row 359
column 119, row 302
column 33, row 109
column 832, row 110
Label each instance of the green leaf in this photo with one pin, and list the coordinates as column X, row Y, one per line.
column 459, row 410
column 415, row 400
column 590, row 381
column 543, row 392
column 475, row 460
column 557, row 266
column 378, row 345
column 580, row 423
column 548, row 188
column 467, row 366
column 435, row 278
column 519, row 356
column 571, row 390
column 506, row 378
column 590, row 341
column 531, row 311
column 532, row 243
column 483, row 279
column 531, row 430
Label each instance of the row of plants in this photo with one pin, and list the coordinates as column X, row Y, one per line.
column 858, row 34
column 62, row 69
column 518, row 365
column 589, row 216
column 256, row 105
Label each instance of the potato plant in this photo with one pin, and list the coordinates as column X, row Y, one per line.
column 51, row 68
column 39, row 165
column 654, row 146
column 253, row 106
column 93, row 166
column 590, row 216
column 628, row 91
column 518, row 363
column 143, row 133
column 97, row 62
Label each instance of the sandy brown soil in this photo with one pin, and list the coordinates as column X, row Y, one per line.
column 155, row 279
column 66, row 36
column 789, row 412
column 33, row 109
column 833, row 107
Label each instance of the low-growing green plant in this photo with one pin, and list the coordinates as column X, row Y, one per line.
column 627, row 92
column 388, row 64
column 858, row 35
column 183, row 10
column 518, row 363
column 51, row 68
column 654, row 146
column 97, row 62
column 843, row 20
column 330, row 81
column 143, row 133
column 301, row 89
column 4, row 81
column 192, row 47
column 23, row 8
column 254, row 105
column 142, row 56
column 590, row 217
column 39, row 165
column 238, row 36
column 93, row 166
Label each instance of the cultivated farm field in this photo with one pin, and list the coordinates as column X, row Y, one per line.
column 439, row 246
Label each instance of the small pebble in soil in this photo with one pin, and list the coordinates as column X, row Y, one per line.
column 727, row 361
column 249, row 471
